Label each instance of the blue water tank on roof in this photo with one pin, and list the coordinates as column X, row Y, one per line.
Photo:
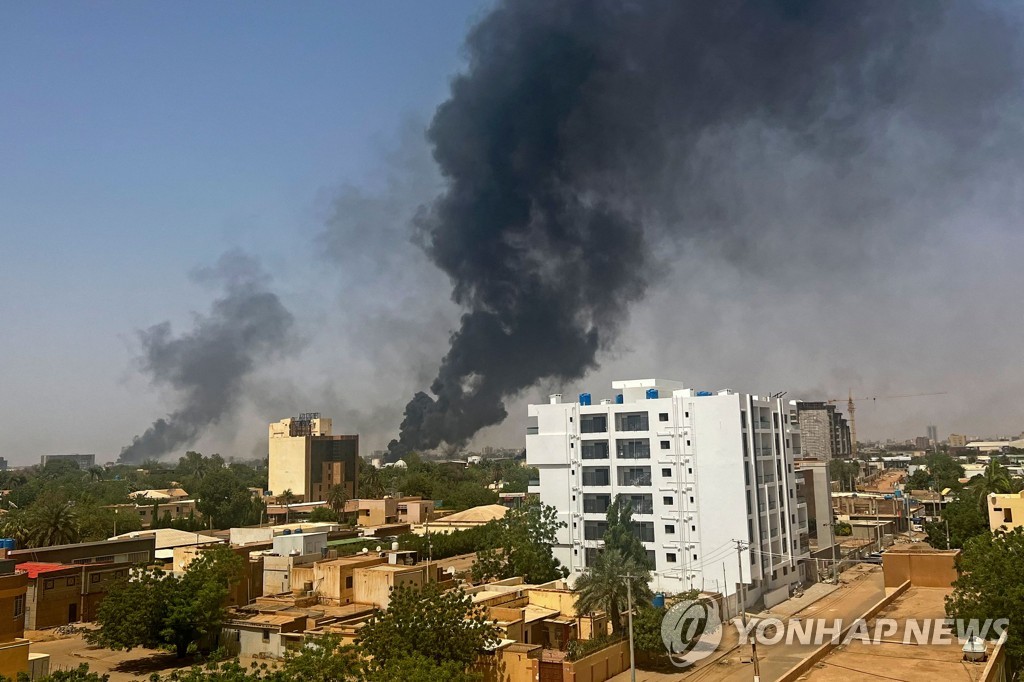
column 659, row 600
column 618, row 399
column 584, row 398
column 703, row 394
column 652, row 394
column 298, row 530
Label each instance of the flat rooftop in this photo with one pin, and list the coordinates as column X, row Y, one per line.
column 894, row 660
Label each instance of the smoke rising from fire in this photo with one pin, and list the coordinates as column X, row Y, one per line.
column 586, row 139
column 208, row 365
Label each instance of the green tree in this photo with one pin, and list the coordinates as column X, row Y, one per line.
column 520, row 544
column 995, row 479
column 444, row 627
column 945, row 471
column 323, row 514
column 603, row 585
column 337, row 497
column 467, row 494
column 225, row 502
column 418, row 668
column 990, row 584
column 965, row 521
column 52, row 521
column 621, row 532
column 154, row 609
column 843, row 529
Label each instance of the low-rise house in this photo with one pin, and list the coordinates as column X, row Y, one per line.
column 1005, row 512
column 129, row 550
column 159, row 495
column 167, row 539
column 150, row 512
column 15, row 657
column 60, row 594
column 474, row 517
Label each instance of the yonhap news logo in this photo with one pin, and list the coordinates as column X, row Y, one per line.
column 691, row 631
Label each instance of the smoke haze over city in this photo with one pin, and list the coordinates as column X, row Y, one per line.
column 536, row 197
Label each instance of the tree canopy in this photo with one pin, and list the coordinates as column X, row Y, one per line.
column 153, row 609
column 520, row 544
column 424, row 625
column 991, row 585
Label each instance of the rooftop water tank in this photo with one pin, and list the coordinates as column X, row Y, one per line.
column 584, row 398
column 652, row 394
column 703, row 394
column 618, row 399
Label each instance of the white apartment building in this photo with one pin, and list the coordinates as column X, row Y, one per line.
column 702, row 470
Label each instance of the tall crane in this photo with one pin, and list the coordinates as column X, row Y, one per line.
column 851, row 410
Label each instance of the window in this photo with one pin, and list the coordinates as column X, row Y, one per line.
column 686, row 414
column 596, row 504
column 667, row 473
column 19, row 605
column 633, row 448
column 595, row 476
column 266, row 635
column 670, row 529
column 689, row 470
column 687, row 442
column 642, row 504
column 631, row 421
column 663, row 416
column 644, row 530
column 1007, row 515
column 594, row 530
column 48, row 585
column 594, row 423
column 665, row 445
column 597, row 449
column 694, row 557
column 652, row 559
column 94, row 578
column 670, row 557
column 71, row 581
column 667, row 499
column 691, row 499
column 634, row 475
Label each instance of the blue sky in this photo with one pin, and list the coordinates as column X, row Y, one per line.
column 140, row 140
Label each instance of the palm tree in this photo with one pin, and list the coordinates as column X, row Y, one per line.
column 52, row 522
column 287, row 497
column 337, row 496
column 995, row 479
column 603, row 586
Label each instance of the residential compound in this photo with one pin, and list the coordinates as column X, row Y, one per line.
column 703, row 470
column 824, row 433
column 307, row 459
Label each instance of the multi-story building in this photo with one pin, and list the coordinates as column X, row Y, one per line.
column 83, row 461
column 957, row 440
column 709, row 475
column 824, row 433
column 933, row 435
column 308, row 460
column 922, row 442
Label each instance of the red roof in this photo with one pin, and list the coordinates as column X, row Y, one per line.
column 34, row 568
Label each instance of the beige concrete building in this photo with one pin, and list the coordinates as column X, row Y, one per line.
column 307, row 459
column 1005, row 512
column 957, row 440
column 824, row 433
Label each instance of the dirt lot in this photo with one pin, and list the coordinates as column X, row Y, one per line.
column 71, row 651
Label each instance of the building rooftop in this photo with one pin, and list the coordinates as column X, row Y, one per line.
column 894, row 660
column 169, row 538
column 482, row 514
column 34, row 568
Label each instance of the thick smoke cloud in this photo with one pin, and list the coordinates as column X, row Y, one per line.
column 589, row 143
column 208, row 365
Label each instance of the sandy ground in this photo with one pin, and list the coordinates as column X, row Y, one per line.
column 68, row 652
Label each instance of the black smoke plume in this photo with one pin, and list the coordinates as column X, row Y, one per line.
column 208, row 365
column 572, row 151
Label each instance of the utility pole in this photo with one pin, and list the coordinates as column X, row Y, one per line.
column 742, row 594
column 629, row 615
column 947, row 533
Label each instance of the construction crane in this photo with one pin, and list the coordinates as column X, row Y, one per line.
column 851, row 410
